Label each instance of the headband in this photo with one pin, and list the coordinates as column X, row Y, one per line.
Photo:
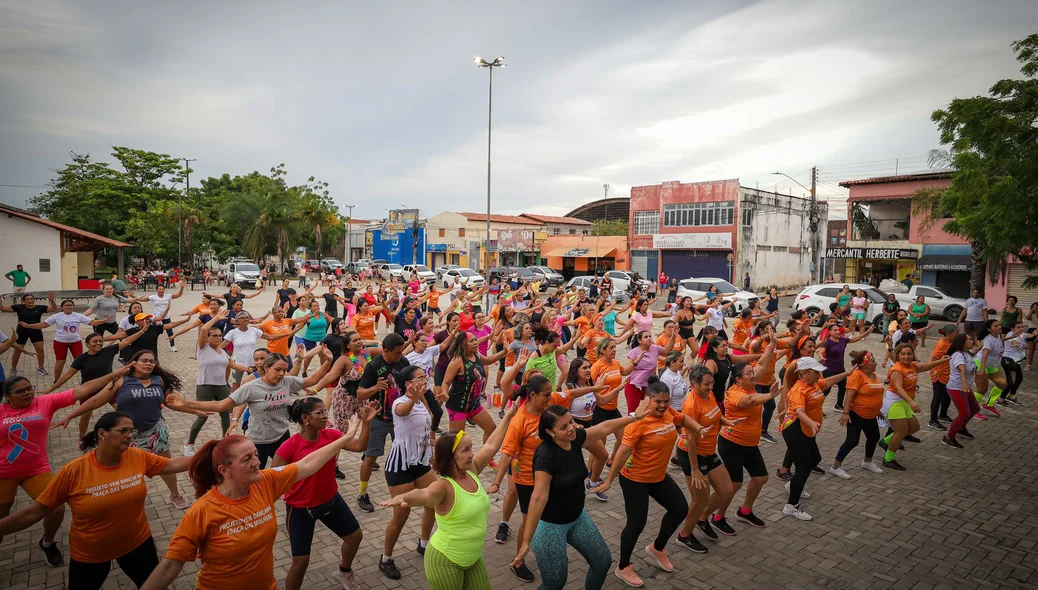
column 868, row 358
column 457, row 440
column 802, row 340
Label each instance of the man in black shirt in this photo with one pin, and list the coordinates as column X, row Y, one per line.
column 380, row 383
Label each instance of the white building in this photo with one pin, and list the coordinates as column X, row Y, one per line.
column 776, row 244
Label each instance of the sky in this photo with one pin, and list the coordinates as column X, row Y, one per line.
column 382, row 100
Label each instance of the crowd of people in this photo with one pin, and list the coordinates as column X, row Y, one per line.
column 310, row 377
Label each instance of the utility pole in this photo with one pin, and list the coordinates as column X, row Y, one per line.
column 814, row 222
column 349, row 233
column 180, row 211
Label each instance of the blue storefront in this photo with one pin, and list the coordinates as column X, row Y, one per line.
column 400, row 248
column 947, row 267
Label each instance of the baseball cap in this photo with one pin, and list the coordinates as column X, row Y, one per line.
column 142, row 316
column 806, row 363
column 948, row 329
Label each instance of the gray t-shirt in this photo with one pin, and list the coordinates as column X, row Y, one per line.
column 975, row 309
column 268, row 406
column 105, row 306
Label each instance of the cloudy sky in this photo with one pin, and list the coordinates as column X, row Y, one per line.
column 382, row 99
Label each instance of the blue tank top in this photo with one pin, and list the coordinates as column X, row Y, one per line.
column 143, row 404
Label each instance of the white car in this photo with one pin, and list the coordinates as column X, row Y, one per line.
column 469, row 278
column 244, row 273
column 818, row 298
column 622, row 281
column 424, row 274
column 698, row 287
column 941, row 303
column 390, row 270
column 443, row 268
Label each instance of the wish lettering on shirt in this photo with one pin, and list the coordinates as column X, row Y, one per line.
column 240, row 525
column 113, row 487
column 146, row 392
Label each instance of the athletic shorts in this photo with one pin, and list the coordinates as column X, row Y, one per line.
column 380, row 429
column 585, row 422
column 858, row 315
column 300, row 523
column 33, row 486
column 919, row 325
column 706, row 463
column 28, row 335
column 736, row 458
column 899, row 410
column 308, row 344
column 524, row 493
column 987, row 370
column 154, row 440
column 438, row 375
column 600, row 415
column 456, row 416
column 410, row 475
column 62, row 349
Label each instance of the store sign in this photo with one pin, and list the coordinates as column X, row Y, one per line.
column 944, row 266
column 873, row 253
column 691, row 241
column 577, row 253
column 516, row 240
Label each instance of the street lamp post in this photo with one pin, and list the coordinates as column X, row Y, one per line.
column 498, row 62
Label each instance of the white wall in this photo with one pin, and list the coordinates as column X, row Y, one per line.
column 24, row 242
column 776, row 248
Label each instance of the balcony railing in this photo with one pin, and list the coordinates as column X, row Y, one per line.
column 880, row 229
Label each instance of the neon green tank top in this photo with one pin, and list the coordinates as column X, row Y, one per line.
column 459, row 533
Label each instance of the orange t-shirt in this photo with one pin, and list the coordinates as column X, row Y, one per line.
column 234, row 538
column 766, row 373
column 662, row 340
column 522, row 439
column 747, row 432
column 107, row 503
column 808, row 397
column 741, row 330
column 581, row 324
column 653, row 441
column 201, row 309
column 277, row 328
column 614, row 377
column 909, row 377
column 706, row 413
column 869, row 397
column 591, row 353
column 433, row 297
column 942, row 372
column 364, row 323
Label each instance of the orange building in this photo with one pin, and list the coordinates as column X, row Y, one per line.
column 576, row 254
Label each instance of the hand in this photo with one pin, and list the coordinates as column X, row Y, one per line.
column 22, row 324
column 234, row 429
column 604, row 487
column 174, row 400
column 511, row 411
column 698, row 481
column 224, row 313
column 642, row 410
column 914, row 406
column 300, row 352
column 368, row 412
column 383, row 384
column 354, row 426
column 704, row 431
column 63, row 424
column 395, row 501
column 814, row 427
column 442, row 397
column 524, row 355
column 844, row 419
column 493, row 488
column 520, row 557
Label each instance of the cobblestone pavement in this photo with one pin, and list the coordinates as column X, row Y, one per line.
column 956, row 518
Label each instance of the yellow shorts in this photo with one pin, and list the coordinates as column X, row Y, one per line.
column 33, row 485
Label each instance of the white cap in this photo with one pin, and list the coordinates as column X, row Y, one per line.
column 806, row 363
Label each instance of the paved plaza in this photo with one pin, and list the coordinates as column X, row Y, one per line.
column 955, row 519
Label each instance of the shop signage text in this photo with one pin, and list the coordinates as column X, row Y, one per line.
column 873, row 253
column 691, row 241
column 944, row 266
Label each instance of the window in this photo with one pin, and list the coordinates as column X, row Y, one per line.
column 646, row 222
column 829, row 292
column 572, row 231
column 779, row 248
column 555, row 231
column 443, row 233
column 461, row 232
column 928, row 293
column 702, row 214
column 44, row 264
column 747, row 217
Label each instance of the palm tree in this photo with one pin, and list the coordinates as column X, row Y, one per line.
column 314, row 213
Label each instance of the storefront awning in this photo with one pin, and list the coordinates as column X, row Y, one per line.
column 945, row 262
column 592, row 252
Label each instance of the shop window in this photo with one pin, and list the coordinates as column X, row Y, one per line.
column 646, row 222
column 44, row 264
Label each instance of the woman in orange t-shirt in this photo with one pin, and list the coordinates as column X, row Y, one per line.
column 594, row 336
column 365, row 318
column 864, row 400
column 231, row 527
column 105, row 491
column 800, row 425
column 606, row 409
column 644, row 455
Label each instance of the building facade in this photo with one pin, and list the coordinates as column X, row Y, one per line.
column 406, row 247
column 573, row 255
column 459, row 238
column 835, row 237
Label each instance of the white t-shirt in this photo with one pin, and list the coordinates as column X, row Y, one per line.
column 411, row 445
column 896, row 338
column 975, row 309
column 965, row 360
column 126, row 323
column 67, row 325
column 581, row 406
column 1016, row 347
column 715, row 318
column 678, row 388
column 160, row 304
column 212, row 366
column 425, row 360
column 244, row 343
column 993, row 344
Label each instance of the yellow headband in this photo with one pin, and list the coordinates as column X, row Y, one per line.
column 457, row 440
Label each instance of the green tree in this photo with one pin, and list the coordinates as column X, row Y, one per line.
column 609, row 227
column 993, row 153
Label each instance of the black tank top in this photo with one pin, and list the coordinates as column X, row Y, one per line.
column 724, row 370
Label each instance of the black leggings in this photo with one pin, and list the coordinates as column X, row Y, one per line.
column 137, row 565
column 169, row 332
column 841, row 386
column 803, row 450
column 268, row 450
column 1014, row 377
column 768, row 410
column 434, row 408
column 636, row 503
column 940, row 401
column 855, row 427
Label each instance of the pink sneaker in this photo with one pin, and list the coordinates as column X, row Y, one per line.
column 992, row 410
column 628, row 576
column 979, row 416
column 660, row 557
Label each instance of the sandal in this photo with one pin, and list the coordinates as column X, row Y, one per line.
column 179, row 502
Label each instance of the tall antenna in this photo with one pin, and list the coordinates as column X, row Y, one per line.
column 605, row 190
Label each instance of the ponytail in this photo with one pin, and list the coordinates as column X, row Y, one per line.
column 301, row 407
column 107, row 422
column 203, row 471
column 533, row 385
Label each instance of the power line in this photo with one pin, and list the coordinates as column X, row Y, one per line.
column 25, row 185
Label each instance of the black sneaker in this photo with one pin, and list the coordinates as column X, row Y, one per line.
column 692, row 543
column 893, row 465
column 704, row 525
column 944, row 419
column 750, row 518
column 502, row 533
column 965, row 434
column 951, row 442
column 388, row 567
column 377, row 467
column 52, row 554
column 674, row 461
column 818, row 470
column 883, row 445
column 339, row 474
column 911, row 438
column 420, row 549
column 722, row 525
column 787, row 476
column 838, row 407
column 522, row 572
column 364, row 503
column 935, row 425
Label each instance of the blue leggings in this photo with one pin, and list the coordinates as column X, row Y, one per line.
column 549, row 546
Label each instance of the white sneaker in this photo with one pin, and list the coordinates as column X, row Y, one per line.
column 189, row 450
column 871, row 466
column 795, row 512
column 839, row 472
column 349, row 581
column 803, row 494
column 172, row 348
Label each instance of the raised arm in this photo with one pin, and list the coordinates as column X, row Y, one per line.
column 490, row 448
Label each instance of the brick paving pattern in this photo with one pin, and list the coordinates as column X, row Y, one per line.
column 956, row 518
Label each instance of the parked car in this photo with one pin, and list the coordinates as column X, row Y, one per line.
column 548, row 277
column 622, row 281
column 698, row 287
column 469, row 278
column 424, row 274
column 243, row 272
column 443, row 268
column 818, row 298
column 500, row 273
column 357, row 266
column 941, row 303
column 580, row 282
column 329, row 265
column 390, row 270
